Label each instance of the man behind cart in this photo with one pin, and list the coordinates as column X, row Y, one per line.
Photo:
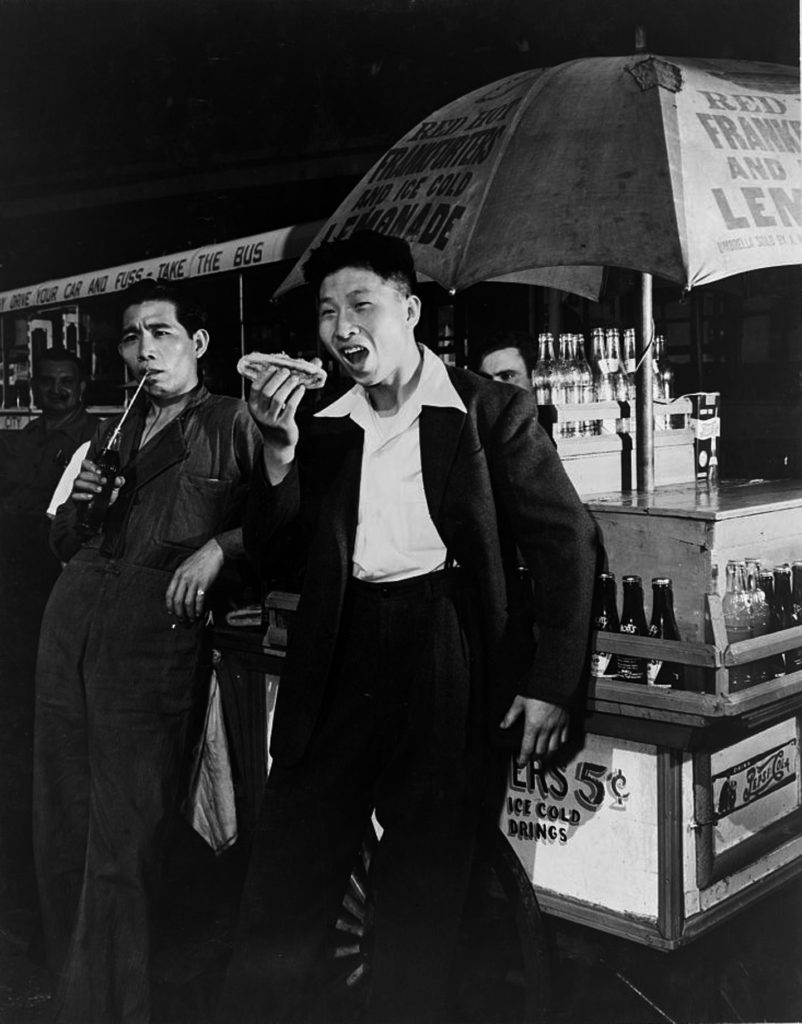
column 410, row 492
column 510, row 357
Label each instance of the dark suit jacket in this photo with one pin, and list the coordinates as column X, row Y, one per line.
column 493, row 484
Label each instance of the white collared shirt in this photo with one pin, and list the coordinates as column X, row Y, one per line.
column 395, row 535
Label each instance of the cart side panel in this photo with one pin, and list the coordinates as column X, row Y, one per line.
column 587, row 831
column 747, row 806
column 771, row 535
column 673, row 546
column 691, row 803
column 754, row 783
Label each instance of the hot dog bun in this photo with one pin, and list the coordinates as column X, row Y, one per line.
column 255, row 363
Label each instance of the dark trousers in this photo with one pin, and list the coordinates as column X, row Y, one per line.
column 116, row 681
column 398, row 734
column 28, row 571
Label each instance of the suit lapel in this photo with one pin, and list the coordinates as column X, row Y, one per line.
column 440, row 432
column 338, row 468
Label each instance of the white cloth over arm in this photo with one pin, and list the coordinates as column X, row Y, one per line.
column 64, row 486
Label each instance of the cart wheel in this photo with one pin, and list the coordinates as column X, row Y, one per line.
column 501, row 970
column 346, row 970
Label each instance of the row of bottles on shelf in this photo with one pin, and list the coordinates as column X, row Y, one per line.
column 663, row 626
column 564, row 375
column 758, row 601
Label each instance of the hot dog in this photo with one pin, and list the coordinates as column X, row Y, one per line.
column 254, row 365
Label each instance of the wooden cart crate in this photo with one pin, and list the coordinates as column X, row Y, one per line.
column 677, row 809
column 603, row 462
column 684, row 531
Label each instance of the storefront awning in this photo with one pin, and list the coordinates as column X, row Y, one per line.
column 237, row 254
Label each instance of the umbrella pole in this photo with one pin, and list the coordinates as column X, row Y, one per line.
column 644, row 407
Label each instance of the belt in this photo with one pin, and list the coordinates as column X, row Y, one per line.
column 428, row 584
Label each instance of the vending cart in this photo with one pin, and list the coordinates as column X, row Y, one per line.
column 681, row 807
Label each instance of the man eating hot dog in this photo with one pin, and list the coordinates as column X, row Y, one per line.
column 410, row 494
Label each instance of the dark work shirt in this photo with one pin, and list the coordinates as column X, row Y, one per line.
column 33, row 459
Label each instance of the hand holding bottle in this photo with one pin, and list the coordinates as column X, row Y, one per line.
column 96, row 487
column 90, row 481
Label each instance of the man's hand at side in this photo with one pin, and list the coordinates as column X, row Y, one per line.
column 186, row 593
column 545, row 726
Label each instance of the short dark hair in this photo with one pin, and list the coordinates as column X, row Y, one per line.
column 57, row 354
column 526, row 345
column 188, row 311
column 387, row 256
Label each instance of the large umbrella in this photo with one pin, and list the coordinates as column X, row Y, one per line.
column 684, row 168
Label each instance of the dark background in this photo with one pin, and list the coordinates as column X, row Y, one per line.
column 132, row 128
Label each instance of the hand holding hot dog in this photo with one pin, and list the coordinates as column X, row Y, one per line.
column 273, row 402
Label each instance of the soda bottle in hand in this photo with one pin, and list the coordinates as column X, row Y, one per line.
column 92, row 513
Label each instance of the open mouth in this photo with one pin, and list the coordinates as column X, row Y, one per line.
column 354, row 354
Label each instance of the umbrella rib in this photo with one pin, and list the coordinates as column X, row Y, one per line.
column 513, row 124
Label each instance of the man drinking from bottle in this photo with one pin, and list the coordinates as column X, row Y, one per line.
column 119, row 658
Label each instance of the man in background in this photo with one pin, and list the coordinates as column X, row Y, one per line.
column 511, row 358
column 33, row 459
column 31, row 463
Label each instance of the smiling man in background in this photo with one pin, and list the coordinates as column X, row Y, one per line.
column 31, row 463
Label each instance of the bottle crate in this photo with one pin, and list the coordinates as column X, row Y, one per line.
column 605, row 461
column 709, row 692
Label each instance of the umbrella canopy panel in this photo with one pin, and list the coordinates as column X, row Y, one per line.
column 683, row 168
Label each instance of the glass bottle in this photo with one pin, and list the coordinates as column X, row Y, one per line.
column 759, row 621
column 542, row 375
column 605, row 619
column 775, row 663
column 555, row 376
column 664, row 674
column 600, row 367
column 602, row 381
column 665, row 371
column 735, row 606
column 630, row 359
column 633, row 622
column 783, row 607
column 618, row 373
column 584, row 381
column 91, row 514
column 660, row 418
column 568, row 381
column 795, row 656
